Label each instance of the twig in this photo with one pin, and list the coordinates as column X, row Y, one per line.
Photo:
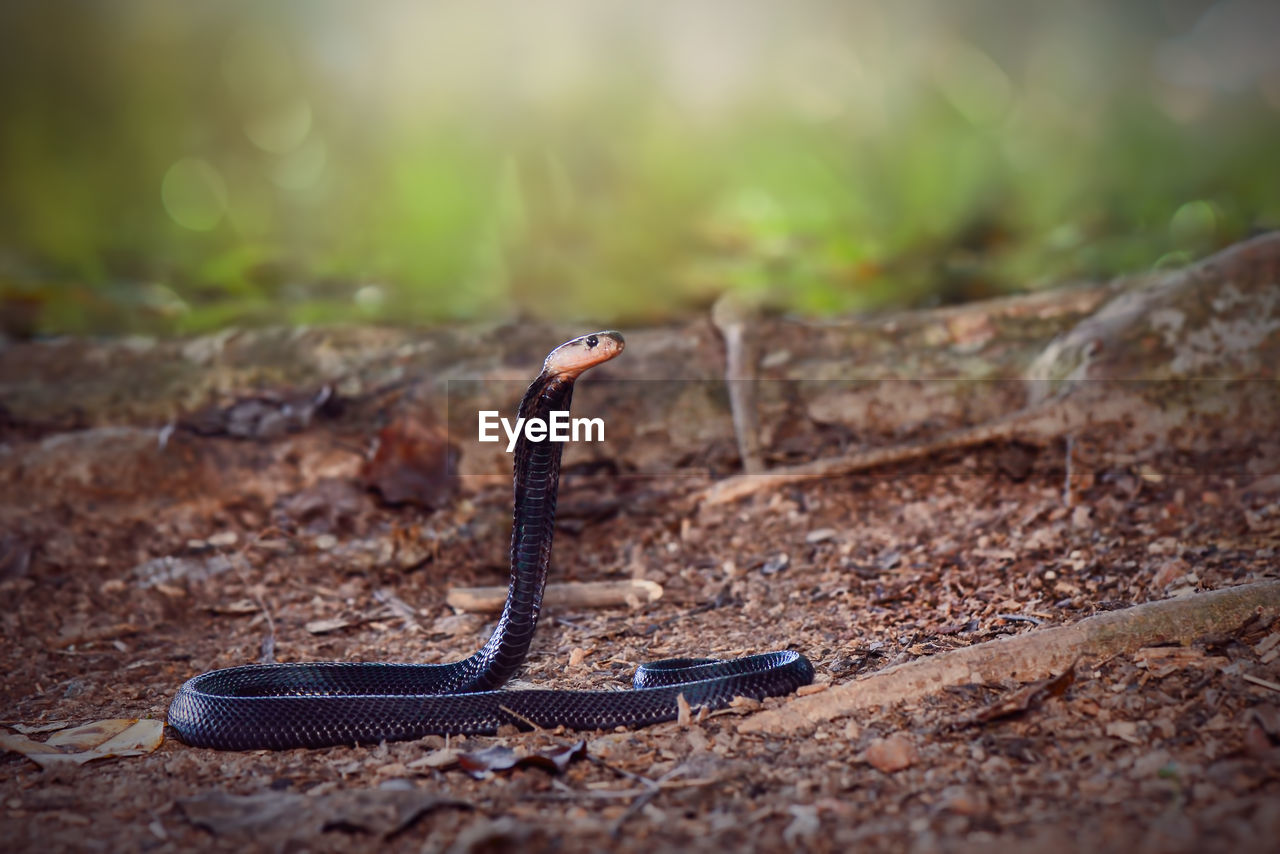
column 535, row 727
column 267, row 651
column 643, row 800
column 734, row 316
column 740, row 486
column 1067, row 496
column 631, row 592
column 112, row 632
column 1265, row 683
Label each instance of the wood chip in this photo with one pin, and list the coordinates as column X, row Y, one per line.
column 632, row 592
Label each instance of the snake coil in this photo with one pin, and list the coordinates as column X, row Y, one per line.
column 318, row 704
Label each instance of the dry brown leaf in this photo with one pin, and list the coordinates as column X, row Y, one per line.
column 1163, row 660
column 1023, row 699
column 276, row 817
column 483, row 763
column 97, row 740
column 329, row 624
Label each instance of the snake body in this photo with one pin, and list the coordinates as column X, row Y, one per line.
column 318, row 704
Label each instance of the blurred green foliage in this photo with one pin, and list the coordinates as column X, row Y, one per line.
column 175, row 167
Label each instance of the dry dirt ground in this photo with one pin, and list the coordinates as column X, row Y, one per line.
column 108, row 610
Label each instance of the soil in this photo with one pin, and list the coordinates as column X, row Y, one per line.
column 116, row 597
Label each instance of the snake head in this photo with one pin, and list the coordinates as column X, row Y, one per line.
column 571, row 358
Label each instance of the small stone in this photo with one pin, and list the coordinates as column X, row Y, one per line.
column 963, row 801
column 223, row 539
column 1081, row 517
column 324, row 542
column 821, row 535
column 891, row 754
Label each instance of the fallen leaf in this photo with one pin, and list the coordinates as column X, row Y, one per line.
column 1170, row 571
column 1125, row 730
column 98, row 740
column 330, row 624
column 415, row 462
column 457, row 625
column 557, row 760
column 277, row 817
column 1023, row 699
column 32, row 729
column 483, row 763
column 441, row 758
column 1163, row 660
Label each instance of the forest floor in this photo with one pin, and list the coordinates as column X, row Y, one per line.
column 1169, row 749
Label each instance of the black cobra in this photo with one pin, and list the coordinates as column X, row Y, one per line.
column 327, row 703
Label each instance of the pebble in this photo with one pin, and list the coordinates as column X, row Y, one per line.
column 891, row 754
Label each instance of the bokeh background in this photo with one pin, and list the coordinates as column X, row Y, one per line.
column 172, row 167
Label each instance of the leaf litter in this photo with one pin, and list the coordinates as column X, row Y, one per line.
column 1173, row 747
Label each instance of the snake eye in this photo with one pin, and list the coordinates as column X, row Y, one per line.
column 592, row 341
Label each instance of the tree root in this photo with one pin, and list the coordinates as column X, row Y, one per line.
column 1031, row 656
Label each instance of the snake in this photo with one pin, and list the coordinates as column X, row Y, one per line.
column 328, row 703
